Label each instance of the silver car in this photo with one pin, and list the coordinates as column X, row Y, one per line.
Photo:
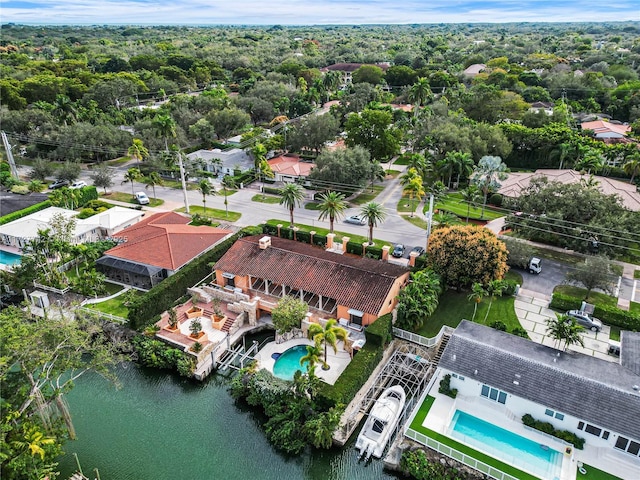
column 586, row 320
column 356, row 220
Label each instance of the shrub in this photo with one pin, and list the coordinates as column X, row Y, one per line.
column 445, row 387
column 379, row 333
column 20, row 189
column 157, row 354
column 520, row 332
column 24, row 212
column 416, row 463
column 548, row 428
column 496, row 199
column 498, row 325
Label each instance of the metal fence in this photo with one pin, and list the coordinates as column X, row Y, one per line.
column 420, row 340
column 457, row 455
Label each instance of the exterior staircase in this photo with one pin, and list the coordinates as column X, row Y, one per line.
column 227, row 324
column 441, row 347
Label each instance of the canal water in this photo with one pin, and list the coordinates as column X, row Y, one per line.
column 159, row 426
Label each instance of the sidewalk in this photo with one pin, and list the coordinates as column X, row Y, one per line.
column 532, row 309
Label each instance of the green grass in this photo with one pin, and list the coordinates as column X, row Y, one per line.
column 614, row 334
column 367, row 195
column 634, row 307
column 417, row 426
column 407, row 206
column 392, row 173
column 401, row 161
column 128, row 198
column 118, row 161
column 636, row 274
column 113, row 307
column 417, row 221
column 455, row 306
column 312, row 206
column 177, row 184
column 454, row 203
column 595, row 474
column 323, row 231
column 216, row 213
column 595, row 298
column 266, row 199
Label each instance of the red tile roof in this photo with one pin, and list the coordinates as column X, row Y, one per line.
column 359, row 283
column 600, row 127
column 290, row 165
column 165, row 240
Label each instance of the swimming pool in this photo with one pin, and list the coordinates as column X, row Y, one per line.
column 8, row 258
column 289, row 362
column 522, row 453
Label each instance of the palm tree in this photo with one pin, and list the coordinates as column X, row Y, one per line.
column 311, row 358
column 137, row 150
column 445, row 219
column 329, row 335
column 374, row 214
column 478, row 292
column 205, row 188
column 419, row 93
column 565, row 328
column 64, row 109
column 331, row 82
column 332, row 205
column 132, row 175
column 413, row 187
column 264, row 170
column 228, row 183
column 152, row 180
column 495, row 289
column 591, row 160
column 488, row 174
column 632, row 165
column 470, row 195
column 463, row 164
column 165, row 127
column 291, row 196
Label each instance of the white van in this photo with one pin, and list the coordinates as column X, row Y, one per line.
column 142, row 198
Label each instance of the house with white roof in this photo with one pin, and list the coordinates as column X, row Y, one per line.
column 223, row 161
column 501, row 377
column 100, row 226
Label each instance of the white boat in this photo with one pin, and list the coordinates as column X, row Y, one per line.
column 381, row 423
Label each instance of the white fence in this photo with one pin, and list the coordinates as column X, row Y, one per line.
column 420, row 340
column 103, row 315
column 51, row 289
column 457, row 455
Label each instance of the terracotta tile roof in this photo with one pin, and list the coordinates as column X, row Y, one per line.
column 518, row 181
column 290, row 165
column 600, row 126
column 165, row 240
column 359, row 283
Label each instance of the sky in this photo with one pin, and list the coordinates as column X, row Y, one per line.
column 311, row 12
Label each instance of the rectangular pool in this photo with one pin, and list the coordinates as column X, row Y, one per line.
column 537, row 459
column 8, row 258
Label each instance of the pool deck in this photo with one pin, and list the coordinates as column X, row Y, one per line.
column 442, row 411
column 338, row 362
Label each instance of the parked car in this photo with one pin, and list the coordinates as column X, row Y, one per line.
column 58, row 184
column 142, row 198
column 398, row 251
column 356, row 220
column 419, row 250
column 586, row 320
column 78, row 184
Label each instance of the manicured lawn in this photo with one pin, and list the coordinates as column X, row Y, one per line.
column 614, row 334
column 177, row 184
column 634, row 307
column 595, row 298
column 417, row 221
column 216, row 213
column 266, row 199
column 454, row 203
column 392, row 173
column 323, row 231
column 113, row 307
column 367, row 195
column 128, row 198
column 312, row 206
column 118, row 161
column 407, row 206
column 417, row 426
column 636, row 274
column 455, row 306
column 595, row 474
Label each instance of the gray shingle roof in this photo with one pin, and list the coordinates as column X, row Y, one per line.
column 594, row 390
column 630, row 351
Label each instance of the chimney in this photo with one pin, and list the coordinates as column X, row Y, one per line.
column 412, row 258
column 330, row 237
column 264, row 242
column 385, row 253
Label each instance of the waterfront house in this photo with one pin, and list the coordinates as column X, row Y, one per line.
column 500, row 377
column 156, row 248
column 354, row 290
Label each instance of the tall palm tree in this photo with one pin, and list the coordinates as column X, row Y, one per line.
column 478, row 292
column 265, row 171
column 228, row 183
column 470, row 195
column 165, row 127
column 632, row 165
column 137, row 150
column 331, row 82
column 463, row 164
column 419, row 93
column 332, row 206
column 487, row 176
column 64, row 109
column 374, row 214
column 291, row 197
column 311, row 358
column 205, row 188
column 132, row 175
column 152, row 180
column 495, row 288
column 327, row 335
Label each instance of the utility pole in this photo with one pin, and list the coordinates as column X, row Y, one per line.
column 429, row 220
column 12, row 163
column 183, row 181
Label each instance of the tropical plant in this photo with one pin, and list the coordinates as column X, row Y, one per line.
column 329, row 335
column 413, row 187
column 205, row 188
column 495, row 289
column 291, row 196
column 420, row 93
column 487, row 176
column 419, row 299
column 195, row 327
column 565, row 328
column 132, row 175
column 311, row 358
column 137, row 150
column 332, row 205
column 478, row 292
column 173, row 317
column 374, row 214
column 632, row 165
column 288, row 314
column 228, row 183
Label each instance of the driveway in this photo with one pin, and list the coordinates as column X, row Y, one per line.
column 552, row 274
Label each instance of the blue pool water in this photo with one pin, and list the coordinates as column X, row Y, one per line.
column 289, row 362
column 9, row 258
column 507, row 446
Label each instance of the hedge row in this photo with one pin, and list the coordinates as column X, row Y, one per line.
column 320, row 240
column 24, row 212
column 549, row 429
column 361, row 366
column 244, row 178
column 145, row 309
column 609, row 315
